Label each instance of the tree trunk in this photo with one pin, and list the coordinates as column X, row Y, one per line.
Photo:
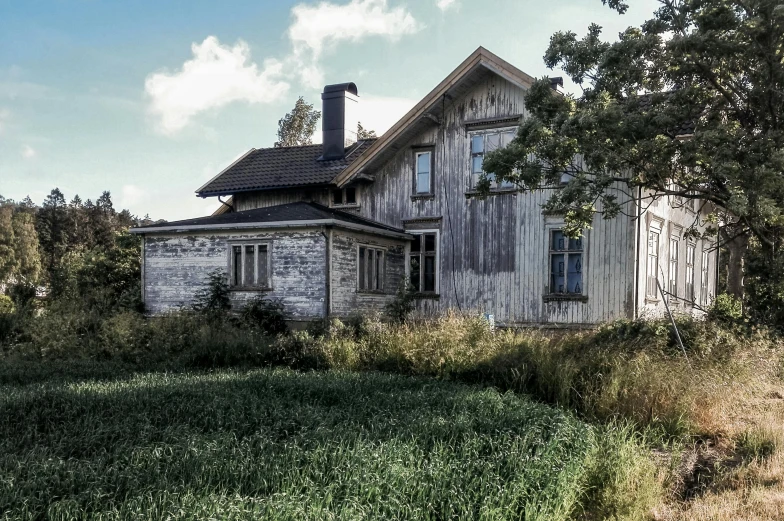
column 737, row 253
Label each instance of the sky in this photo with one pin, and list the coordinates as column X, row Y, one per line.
column 151, row 99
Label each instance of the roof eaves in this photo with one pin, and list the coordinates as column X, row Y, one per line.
column 243, row 156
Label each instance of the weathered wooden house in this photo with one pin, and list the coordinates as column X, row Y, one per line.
column 333, row 229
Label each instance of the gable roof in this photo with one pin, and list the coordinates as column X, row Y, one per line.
column 430, row 109
column 283, row 167
column 289, row 215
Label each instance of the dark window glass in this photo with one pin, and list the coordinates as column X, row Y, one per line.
column 430, row 242
column 379, row 270
column 430, row 273
column 337, row 196
column 249, row 262
column 351, row 195
column 236, row 276
column 416, row 244
column 415, row 272
column 362, row 269
column 263, row 266
column 566, row 263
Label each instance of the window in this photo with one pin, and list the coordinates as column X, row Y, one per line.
column 423, row 172
column 672, row 283
column 344, row 196
column 651, row 289
column 250, row 265
column 487, row 142
column 690, row 272
column 423, row 262
column 566, row 263
column 704, row 279
column 370, row 265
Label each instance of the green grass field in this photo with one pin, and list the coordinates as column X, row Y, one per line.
column 278, row 444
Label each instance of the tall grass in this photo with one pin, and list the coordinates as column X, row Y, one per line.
column 276, row 444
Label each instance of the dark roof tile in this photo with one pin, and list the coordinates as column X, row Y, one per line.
column 283, row 167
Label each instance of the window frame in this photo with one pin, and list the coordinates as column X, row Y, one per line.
column 343, row 196
column 422, row 254
column 257, row 245
column 551, row 251
column 651, row 286
column 673, row 265
column 494, row 187
column 704, row 276
column 416, row 152
column 691, row 247
column 383, row 273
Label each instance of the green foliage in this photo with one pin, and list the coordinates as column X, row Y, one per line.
column 726, row 309
column 266, row 315
column 363, row 133
column 707, row 68
column 213, row 298
column 398, row 309
column 6, row 304
column 296, row 127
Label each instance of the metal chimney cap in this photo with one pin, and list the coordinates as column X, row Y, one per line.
column 342, row 87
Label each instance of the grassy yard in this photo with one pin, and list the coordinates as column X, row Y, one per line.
column 280, row 444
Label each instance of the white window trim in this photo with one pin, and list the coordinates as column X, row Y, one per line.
column 549, row 252
column 691, row 299
column 655, row 225
column 704, row 275
column 430, row 185
column 484, row 132
column 383, row 268
column 437, row 232
column 256, row 243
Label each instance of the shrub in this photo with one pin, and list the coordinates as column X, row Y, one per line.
column 213, row 298
column 265, row 315
column 402, row 305
column 726, row 309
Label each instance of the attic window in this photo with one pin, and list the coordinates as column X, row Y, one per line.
column 487, row 141
column 344, row 197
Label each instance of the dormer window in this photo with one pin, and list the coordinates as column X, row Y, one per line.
column 344, row 197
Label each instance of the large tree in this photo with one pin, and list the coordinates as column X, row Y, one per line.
column 688, row 105
column 297, row 127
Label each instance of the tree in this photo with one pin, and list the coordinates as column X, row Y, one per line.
column 297, row 126
column 52, row 227
column 690, row 104
column 8, row 259
column 363, row 133
column 28, row 258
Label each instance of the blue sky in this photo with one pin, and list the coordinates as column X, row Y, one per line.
column 151, row 99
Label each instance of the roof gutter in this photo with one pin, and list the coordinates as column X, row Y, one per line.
column 277, row 224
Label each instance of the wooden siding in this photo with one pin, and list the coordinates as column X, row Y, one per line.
column 264, row 199
column 346, row 299
column 494, row 252
column 673, row 216
column 176, row 267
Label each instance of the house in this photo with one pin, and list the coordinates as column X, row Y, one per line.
column 334, row 229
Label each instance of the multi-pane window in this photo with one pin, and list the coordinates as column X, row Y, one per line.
column 487, row 142
column 344, row 196
column 651, row 288
column 704, row 279
column 566, row 263
column 370, row 262
column 690, row 248
column 423, row 175
column 250, row 265
column 672, row 283
column 423, row 262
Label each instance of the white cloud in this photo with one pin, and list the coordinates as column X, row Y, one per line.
column 317, row 27
column 379, row 113
column 131, row 195
column 446, row 4
column 216, row 76
column 28, row 152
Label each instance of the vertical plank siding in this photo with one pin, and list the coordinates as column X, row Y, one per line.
column 177, row 265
